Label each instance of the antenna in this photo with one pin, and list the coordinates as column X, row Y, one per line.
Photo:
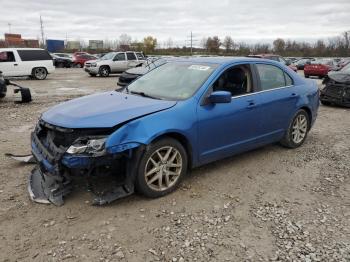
column 9, row 24
column 42, row 31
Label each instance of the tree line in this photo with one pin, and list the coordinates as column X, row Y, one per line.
column 333, row 47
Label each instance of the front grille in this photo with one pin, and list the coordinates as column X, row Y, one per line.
column 58, row 139
column 337, row 90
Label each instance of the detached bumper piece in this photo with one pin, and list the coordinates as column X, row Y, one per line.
column 47, row 189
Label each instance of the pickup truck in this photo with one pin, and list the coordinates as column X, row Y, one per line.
column 114, row 62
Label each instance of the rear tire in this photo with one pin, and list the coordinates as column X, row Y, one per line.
column 104, row 71
column 161, row 168
column 297, row 130
column 39, row 73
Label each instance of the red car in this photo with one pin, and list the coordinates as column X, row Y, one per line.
column 319, row 67
column 276, row 58
column 79, row 58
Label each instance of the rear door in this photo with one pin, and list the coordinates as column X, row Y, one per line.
column 277, row 100
column 132, row 59
column 9, row 63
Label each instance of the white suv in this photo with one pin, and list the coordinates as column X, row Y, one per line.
column 33, row 62
column 114, row 62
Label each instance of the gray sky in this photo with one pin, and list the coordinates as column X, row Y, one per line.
column 249, row 20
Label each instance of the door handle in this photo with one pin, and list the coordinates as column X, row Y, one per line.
column 251, row 104
column 15, row 64
column 293, row 94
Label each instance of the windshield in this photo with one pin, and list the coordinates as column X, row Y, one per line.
column 346, row 69
column 108, row 56
column 172, row 81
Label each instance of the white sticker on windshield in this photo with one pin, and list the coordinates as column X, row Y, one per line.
column 199, row 67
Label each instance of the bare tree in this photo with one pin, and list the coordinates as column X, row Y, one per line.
column 228, row 44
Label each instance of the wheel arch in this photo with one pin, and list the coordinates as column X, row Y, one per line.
column 308, row 111
column 182, row 139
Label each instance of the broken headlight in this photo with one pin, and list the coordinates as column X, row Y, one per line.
column 87, row 145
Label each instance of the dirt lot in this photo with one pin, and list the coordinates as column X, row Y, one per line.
column 269, row 204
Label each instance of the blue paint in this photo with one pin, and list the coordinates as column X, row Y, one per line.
column 212, row 131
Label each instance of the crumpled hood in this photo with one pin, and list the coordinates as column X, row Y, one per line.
column 340, row 77
column 103, row 110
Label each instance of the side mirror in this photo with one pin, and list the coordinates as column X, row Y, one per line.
column 219, row 97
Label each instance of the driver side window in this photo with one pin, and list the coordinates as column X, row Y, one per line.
column 237, row 80
column 119, row 57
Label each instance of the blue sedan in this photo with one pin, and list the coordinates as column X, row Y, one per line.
column 181, row 115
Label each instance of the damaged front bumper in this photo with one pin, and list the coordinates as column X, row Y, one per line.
column 51, row 179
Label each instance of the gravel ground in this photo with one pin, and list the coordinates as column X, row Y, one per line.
column 271, row 204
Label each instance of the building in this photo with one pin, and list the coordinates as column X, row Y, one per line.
column 54, row 45
column 95, row 44
column 15, row 40
column 73, row 45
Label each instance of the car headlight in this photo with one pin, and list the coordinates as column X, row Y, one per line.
column 87, row 145
column 93, row 64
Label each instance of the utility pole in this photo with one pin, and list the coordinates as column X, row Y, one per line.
column 42, row 31
column 192, row 40
column 9, row 24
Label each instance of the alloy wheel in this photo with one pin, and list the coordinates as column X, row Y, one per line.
column 40, row 73
column 163, row 168
column 299, row 128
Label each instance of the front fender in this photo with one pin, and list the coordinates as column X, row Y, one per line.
column 179, row 119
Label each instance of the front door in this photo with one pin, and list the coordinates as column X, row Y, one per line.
column 120, row 63
column 229, row 128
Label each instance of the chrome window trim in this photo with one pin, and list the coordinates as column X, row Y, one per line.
column 263, row 91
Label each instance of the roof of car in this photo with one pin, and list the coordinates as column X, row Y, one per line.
column 218, row 59
column 21, row 48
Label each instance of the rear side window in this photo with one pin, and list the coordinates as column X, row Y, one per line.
column 34, row 55
column 289, row 80
column 270, row 76
column 7, row 57
column 131, row 56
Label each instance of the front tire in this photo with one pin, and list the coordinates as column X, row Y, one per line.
column 104, row 71
column 306, row 76
column 39, row 73
column 297, row 130
column 162, row 167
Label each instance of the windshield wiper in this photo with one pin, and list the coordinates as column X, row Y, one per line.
column 144, row 95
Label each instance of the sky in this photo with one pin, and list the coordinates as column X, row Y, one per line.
column 249, row 20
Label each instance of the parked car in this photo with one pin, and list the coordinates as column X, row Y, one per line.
column 114, row 62
column 181, row 115
column 64, row 55
column 337, row 88
column 300, row 64
column 276, row 58
column 133, row 73
column 79, row 59
column 344, row 62
column 61, row 62
column 319, row 67
column 34, row 62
